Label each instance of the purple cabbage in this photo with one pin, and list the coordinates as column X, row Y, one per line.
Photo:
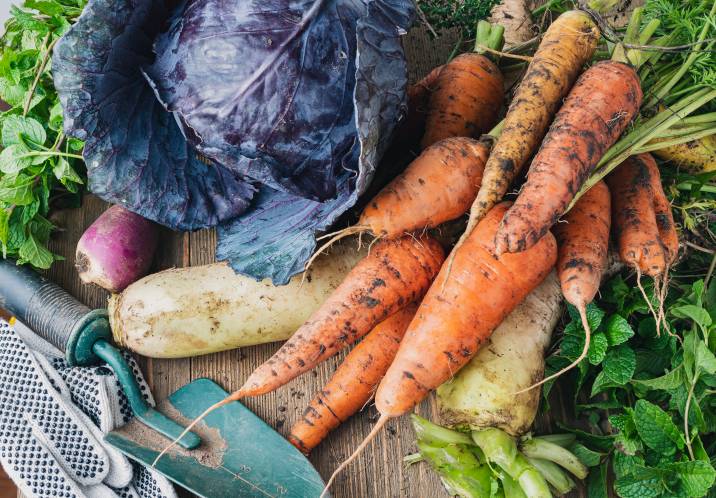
column 135, row 152
column 294, row 100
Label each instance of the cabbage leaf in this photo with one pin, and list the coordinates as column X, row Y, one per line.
column 135, row 152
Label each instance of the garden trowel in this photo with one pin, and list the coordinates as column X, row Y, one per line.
column 231, row 453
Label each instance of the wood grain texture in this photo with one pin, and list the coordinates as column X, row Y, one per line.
column 379, row 471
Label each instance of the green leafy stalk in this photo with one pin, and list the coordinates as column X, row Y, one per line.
column 545, row 450
column 501, row 449
column 489, row 38
column 460, row 470
column 554, row 475
column 436, row 435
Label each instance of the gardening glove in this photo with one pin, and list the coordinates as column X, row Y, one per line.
column 52, row 421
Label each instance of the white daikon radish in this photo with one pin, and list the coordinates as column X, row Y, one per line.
column 204, row 309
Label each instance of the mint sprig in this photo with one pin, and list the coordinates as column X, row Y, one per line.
column 39, row 166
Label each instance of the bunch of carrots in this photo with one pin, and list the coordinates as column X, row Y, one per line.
column 584, row 137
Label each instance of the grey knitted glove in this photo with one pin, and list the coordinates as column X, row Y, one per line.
column 52, row 421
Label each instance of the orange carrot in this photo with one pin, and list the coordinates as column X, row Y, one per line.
column 394, row 274
column 466, row 101
column 644, row 225
column 354, row 382
column 583, row 240
column 598, row 109
column 645, row 242
column 566, row 46
column 454, row 320
column 438, row 186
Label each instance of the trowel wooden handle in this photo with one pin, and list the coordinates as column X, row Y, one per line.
column 52, row 313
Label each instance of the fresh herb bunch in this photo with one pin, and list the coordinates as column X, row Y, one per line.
column 38, row 164
column 463, row 14
column 636, row 386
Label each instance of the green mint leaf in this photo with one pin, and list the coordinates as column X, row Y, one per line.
column 28, row 22
column 696, row 314
column 696, row 477
column 585, row 455
column 29, row 211
column 45, row 7
column 18, row 129
column 705, row 359
column 618, row 292
column 16, row 235
column 601, row 382
column 75, row 145
column 656, row 428
column 594, row 315
column 597, row 348
column 17, row 190
column 618, row 330
column 55, row 121
column 597, row 482
column 14, row 159
column 33, row 252
column 619, row 364
column 625, row 465
column 12, row 92
column 632, row 487
column 41, row 228
column 666, row 382
column 65, row 173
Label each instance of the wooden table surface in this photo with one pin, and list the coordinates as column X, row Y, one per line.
column 379, row 471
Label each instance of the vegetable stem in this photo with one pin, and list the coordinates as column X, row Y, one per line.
column 435, row 434
column 501, row 449
column 539, row 448
column 554, row 475
column 40, row 70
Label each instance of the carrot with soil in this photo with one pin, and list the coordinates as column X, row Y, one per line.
column 468, row 92
column 438, row 186
column 393, row 275
column 605, row 99
column 583, row 240
column 643, row 223
column 354, row 382
column 452, row 322
column 566, row 46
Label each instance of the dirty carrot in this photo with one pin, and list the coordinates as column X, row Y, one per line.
column 454, row 320
column 636, row 229
column 567, row 45
column 583, row 240
column 598, row 109
column 438, row 186
column 354, row 382
column 394, row 274
column 643, row 224
column 468, row 92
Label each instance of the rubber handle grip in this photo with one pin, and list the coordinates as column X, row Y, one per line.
column 43, row 306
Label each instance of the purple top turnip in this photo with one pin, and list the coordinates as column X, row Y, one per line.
column 117, row 249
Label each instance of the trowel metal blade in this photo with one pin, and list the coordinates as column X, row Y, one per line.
column 240, row 455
